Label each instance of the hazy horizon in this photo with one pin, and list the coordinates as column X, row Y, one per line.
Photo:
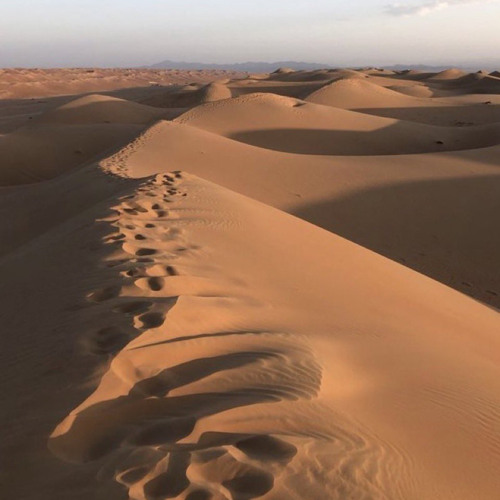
column 63, row 33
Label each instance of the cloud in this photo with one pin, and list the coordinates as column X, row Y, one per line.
column 422, row 9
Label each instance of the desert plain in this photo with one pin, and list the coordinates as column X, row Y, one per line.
column 229, row 286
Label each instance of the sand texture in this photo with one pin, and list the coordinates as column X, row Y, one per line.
column 228, row 287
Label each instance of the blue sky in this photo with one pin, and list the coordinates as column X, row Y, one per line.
column 131, row 32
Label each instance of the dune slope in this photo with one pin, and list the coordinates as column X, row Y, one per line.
column 43, row 151
column 358, row 197
column 229, row 342
column 291, row 125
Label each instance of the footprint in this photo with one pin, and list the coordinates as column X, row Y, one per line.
column 199, row 495
column 171, row 483
column 132, row 476
column 104, row 294
column 252, row 483
column 136, row 307
column 136, row 465
column 262, row 447
column 149, row 226
column 134, row 272
column 156, row 283
column 167, row 432
column 116, row 263
column 171, row 271
column 107, row 340
column 140, row 237
column 145, row 251
column 117, row 237
column 136, row 207
column 243, row 481
column 152, row 320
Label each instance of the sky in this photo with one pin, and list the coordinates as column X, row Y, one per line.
column 114, row 33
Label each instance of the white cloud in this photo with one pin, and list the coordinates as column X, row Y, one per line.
column 422, row 9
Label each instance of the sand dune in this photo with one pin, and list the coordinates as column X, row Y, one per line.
column 299, row 90
column 295, row 126
column 70, row 135
column 233, row 304
column 413, row 90
column 326, row 75
column 101, row 109
column 411, row 103
column 481, row 84
column 413, row 74
column 194, row 405
column 356, row 94
column 41, row 152
column 449, row 74
column 458, row 251
column 461, row 82
column 25, row 83
column 191, row 96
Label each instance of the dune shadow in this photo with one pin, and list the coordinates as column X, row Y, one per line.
column 44, row 374
column 447, row 116
column 147, row 415
column 446, row 229
column 147, row 427
column 399, row 138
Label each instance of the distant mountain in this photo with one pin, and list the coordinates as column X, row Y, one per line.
column 464, row 65
column 269, row 67
column 426, row 67
column 418, row 67
column 250, row 67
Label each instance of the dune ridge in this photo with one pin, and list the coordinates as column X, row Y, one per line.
column 291, row 125
column 243, row 361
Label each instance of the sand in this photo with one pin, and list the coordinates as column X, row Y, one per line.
column 235, row 293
